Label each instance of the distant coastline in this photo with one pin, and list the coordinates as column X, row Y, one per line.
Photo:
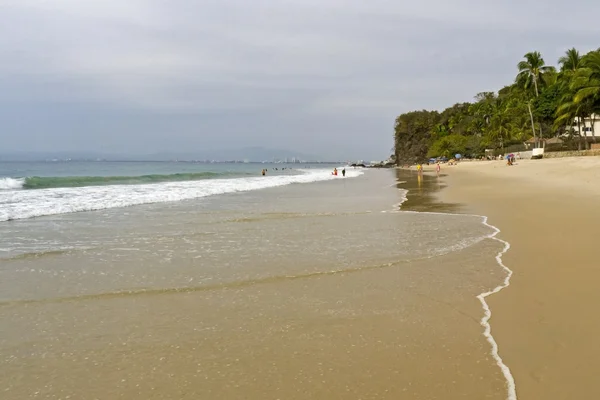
column 247, row 154
column 74, row 160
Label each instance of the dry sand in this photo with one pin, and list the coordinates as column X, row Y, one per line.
column 546, row 322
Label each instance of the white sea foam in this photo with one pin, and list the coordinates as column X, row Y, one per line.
column 396, row 207
column 512, row 391
column 11, row 183
column 20, row 204
column 461, row 245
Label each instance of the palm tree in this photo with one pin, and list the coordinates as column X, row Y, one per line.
column 586, row 84
column 571, row 61
column 500, row 129
column 570, row 111
column 532, row 70
column 587, row 79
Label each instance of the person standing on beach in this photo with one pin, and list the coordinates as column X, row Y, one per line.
column 437, row 168
column 344, row 172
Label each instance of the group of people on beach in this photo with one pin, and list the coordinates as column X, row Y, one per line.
column 438, row 168
column 335, row 172
column 264, row 171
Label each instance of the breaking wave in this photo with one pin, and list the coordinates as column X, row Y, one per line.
column 43, row 182
column 52, row 200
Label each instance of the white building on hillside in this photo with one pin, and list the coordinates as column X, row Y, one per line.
column 586, row 126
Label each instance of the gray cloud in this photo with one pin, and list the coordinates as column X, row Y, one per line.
column 324, row 77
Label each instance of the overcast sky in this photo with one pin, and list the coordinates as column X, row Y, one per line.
column 320, row 76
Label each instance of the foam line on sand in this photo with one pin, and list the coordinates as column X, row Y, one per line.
column 510, row 380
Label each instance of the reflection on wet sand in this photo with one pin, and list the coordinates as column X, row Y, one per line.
column 421, row 192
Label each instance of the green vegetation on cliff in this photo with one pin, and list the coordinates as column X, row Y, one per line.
column 542, row 102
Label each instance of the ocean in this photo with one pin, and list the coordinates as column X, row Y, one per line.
column 181, row 280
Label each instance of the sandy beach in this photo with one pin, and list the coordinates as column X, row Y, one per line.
column 546, row 321
column 315, row 290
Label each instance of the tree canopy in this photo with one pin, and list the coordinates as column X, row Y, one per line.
column 542, row 102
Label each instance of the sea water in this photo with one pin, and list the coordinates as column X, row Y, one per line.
column 299, row 285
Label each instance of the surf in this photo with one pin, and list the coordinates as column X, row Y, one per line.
column 23, row 204
column 11, row 183
column 48, row 182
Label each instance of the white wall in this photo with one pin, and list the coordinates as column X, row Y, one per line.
column 588, row 126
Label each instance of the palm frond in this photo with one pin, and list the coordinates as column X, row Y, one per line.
column 564, row 117
column 570, row 61
column 587, row 93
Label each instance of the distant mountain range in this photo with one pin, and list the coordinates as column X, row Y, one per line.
column 252, row 154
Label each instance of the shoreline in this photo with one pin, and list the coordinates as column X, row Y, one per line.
column 540, row 322
column 429, row 203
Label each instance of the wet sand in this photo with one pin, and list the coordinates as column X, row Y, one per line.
column 546, row 323
column 422, row 192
